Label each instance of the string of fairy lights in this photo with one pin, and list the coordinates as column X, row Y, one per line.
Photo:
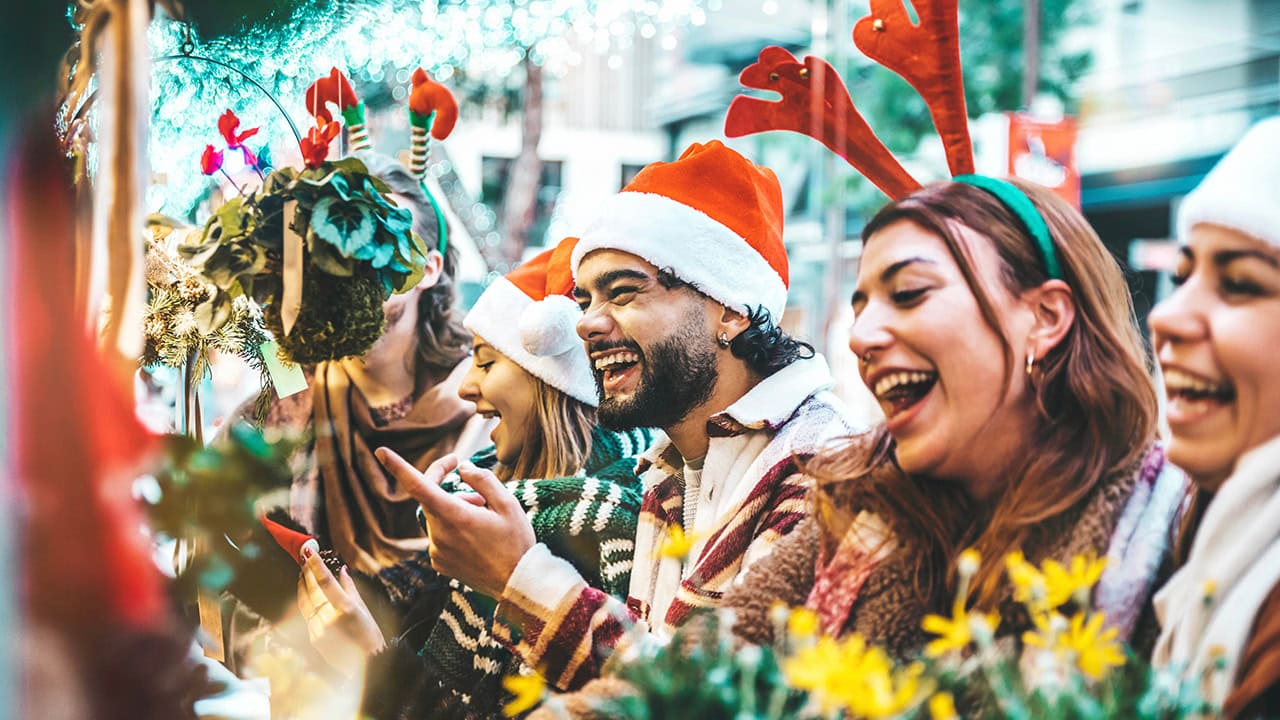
column 378, row 43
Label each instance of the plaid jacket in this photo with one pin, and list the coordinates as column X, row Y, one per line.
column 752, row 494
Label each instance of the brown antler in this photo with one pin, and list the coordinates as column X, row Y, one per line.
column 927, row 56
column 826, row 114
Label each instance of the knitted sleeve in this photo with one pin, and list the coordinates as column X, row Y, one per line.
column 556, row 623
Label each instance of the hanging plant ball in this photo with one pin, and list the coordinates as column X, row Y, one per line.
column 342, row 317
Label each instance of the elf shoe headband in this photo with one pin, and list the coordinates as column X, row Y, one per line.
column 431, row 108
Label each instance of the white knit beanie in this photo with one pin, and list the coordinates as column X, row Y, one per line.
column 1242, row 192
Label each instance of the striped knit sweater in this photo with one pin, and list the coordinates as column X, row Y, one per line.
column 589, row 519
column 751, row 494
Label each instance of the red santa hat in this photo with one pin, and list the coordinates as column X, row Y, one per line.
column 712, row 217
column 529, row 316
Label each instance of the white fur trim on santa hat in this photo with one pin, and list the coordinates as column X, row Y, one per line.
column 696, row 247
column 1241, row 192
column 499, row 316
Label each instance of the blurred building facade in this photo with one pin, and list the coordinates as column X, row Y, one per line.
column 1174, row 84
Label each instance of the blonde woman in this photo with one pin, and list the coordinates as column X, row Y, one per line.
column 574, row 480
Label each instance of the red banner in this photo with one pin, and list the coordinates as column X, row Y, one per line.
column 1044, row 153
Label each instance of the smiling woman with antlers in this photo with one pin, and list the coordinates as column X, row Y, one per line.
column 996, row 333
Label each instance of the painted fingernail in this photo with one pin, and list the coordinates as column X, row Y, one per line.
column 307, row 551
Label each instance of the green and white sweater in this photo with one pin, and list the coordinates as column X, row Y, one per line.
column 588, row 519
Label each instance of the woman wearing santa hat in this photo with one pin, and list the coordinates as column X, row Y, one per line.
column 575, row 481
column 1216, row 338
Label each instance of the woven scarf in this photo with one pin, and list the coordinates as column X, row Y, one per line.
column 1236, row 552
column 372, row 523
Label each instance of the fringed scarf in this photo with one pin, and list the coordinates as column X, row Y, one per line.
column 372, row 523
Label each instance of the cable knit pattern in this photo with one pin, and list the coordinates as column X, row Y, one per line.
column 588, row 519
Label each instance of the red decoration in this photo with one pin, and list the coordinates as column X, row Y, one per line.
column 291, row 540
column 429, row 97
column 334, row 89
column 830, row 118
column 77, row 444
column 315, row 146
column 816, row 102
column 927, row 56
column 210, row 160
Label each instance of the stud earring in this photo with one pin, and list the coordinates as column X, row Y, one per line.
column 723, row 340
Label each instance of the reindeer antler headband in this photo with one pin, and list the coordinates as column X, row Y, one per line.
column 816, row 102
column 431, row 106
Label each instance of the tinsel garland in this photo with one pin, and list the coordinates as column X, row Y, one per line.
column 376, row 42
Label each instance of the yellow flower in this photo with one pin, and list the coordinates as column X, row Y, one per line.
column 943, row 707
column 802, row 623
column 883, row 692
column 968, row 563
column 677, row 545
column 956, row 632
column 1062, row 584
column 820, row 670
column 847, row 675
column 1096, row 650
column 1208, row 590
column 1029, row 587
column 1049, row 626
column 528, row 691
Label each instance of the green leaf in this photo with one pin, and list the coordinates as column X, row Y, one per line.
column 325, row 258
column 348, row 227
column 415, row 275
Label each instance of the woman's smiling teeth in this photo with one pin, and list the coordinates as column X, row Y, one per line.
column 902, row 390
column 1181, row 385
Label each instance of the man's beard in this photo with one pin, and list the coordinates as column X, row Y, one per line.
column 677, row 374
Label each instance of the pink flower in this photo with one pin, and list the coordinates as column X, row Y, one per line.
column 210, row 160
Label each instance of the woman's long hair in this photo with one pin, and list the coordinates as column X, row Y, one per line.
column 1095, row 402
column 557, row 438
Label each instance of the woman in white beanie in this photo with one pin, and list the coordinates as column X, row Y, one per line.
column 575, row 481
column 1216, row 339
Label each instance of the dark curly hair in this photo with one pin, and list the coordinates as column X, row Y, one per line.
column 442, row 341
column 765, row 347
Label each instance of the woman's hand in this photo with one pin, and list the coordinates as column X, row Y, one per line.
column 339, row 623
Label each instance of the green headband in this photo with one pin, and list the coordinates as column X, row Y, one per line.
column 1020, row 205
column 443, row 243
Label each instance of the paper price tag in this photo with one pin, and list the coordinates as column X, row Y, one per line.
column 287, row 378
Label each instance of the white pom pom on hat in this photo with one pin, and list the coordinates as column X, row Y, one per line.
column 1241, row 192
column 549, row 327
column 543, row 339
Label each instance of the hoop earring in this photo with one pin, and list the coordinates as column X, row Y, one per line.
column 723, row 340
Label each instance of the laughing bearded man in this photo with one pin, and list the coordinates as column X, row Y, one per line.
column 681, row 281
